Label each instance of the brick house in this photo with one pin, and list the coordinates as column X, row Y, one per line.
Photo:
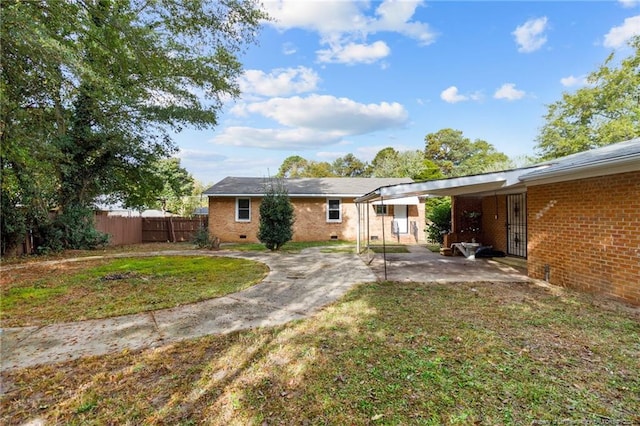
column 576, row 219
column 324, row 210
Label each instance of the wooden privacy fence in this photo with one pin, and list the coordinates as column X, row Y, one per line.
column 171, row 229
column 135, row 230
column 121, row 230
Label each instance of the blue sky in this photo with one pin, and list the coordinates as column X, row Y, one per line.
column 329, row 78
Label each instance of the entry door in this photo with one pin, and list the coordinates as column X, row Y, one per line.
column 400, row 217
column 517, row 225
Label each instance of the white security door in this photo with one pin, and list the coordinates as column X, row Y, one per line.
column 401, row 219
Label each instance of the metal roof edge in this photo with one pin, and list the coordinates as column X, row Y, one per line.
column 508, row 177
column 304, row 195
column 605, row 166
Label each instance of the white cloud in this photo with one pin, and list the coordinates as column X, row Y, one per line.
column 312, row 121
column 200, row 156
column 396, row 16
column 509, row 92
column 328, row 113
column 476, row 96
column 618, row 36
column 275, row 138
column 279, row 82
column 289, row 49
column 345, row 25
column 353, row 53
column 321, row 16
column 628, row 4
column 572, row 81
column 529, row 35
column 349, row 17
column 452, row 96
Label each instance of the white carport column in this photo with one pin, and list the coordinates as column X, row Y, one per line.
column 358, row 228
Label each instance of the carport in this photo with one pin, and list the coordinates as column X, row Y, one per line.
column 502, row 183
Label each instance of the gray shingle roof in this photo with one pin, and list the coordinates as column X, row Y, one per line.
column 304, row 187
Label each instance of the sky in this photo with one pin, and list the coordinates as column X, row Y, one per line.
column 329, row 78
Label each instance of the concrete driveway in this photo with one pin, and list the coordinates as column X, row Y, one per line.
column 297, row 286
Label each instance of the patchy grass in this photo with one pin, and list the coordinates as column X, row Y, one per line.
column 389, row 248
column 66, row 254
column 435, row 248
column 344, row 248
column 387, row 353
column 109, row 287
column 290, row 247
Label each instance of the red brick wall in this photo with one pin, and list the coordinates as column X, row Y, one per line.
column 311, row 223
column 588, row 232
column 222, row 220
column 494, row 222
column 459, row 225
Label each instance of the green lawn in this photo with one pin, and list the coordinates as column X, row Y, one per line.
column 387, row 353
column 42, row 294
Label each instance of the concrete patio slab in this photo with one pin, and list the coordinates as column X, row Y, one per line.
column 422, row 265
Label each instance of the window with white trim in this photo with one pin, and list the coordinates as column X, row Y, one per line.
column 334, row 210
column 243, row 209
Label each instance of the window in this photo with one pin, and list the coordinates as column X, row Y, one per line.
column 243, row 209
column 334, row 210
column 381, row 209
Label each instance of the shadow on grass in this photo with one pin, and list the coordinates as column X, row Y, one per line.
column 393, row 353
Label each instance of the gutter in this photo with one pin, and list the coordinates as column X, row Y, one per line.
column 628, row 163
column 291, row 195
column 503, row 178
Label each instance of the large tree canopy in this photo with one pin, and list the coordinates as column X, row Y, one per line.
column 391, row 163
column 457, row 155
column 349, row 166
column 606, row 111
column 448, row 153
column 92, row 89
column 296, row 166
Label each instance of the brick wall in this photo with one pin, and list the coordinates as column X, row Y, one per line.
column 311, row 223
column 494, row 222
column 588, row 232
column 459, row 224
column 222, row 221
